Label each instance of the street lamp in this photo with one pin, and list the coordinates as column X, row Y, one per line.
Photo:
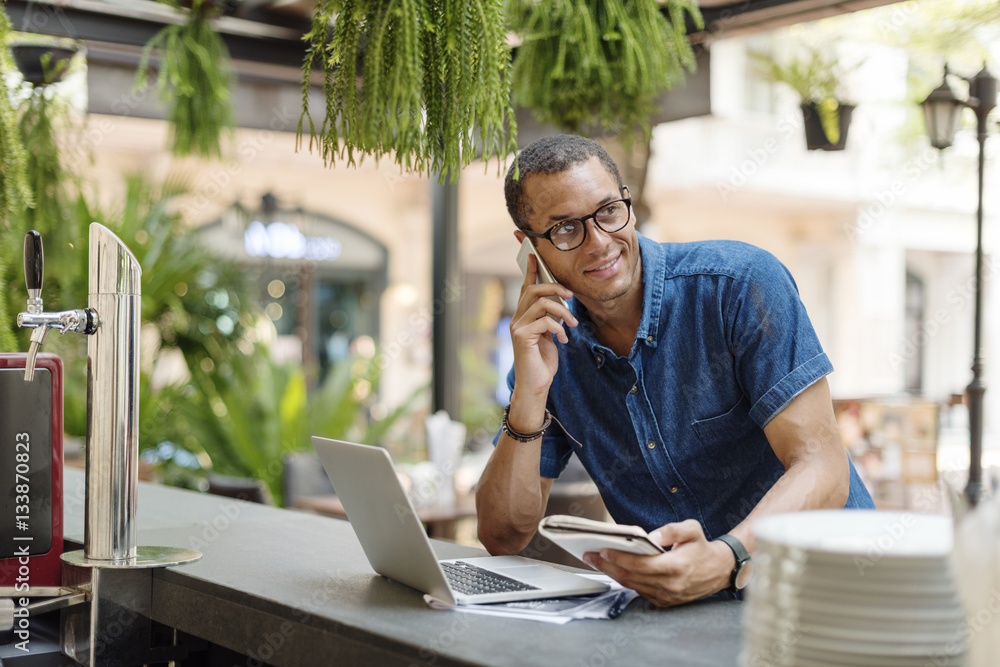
column 942, row 111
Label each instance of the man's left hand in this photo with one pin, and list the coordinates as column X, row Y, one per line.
column 693, row 568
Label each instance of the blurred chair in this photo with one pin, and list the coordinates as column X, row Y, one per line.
column 241, row 488
column 304, row 476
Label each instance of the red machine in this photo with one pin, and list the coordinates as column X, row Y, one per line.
column 31, row 472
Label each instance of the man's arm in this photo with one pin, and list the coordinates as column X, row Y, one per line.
column 511, row 495
column 806, row 439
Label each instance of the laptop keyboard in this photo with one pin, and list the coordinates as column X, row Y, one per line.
column 471, row 580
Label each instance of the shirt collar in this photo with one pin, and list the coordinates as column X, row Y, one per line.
column 654, row 267
column 653, row 275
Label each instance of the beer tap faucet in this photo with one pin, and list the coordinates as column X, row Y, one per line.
column 81, row 320
column 111, row 575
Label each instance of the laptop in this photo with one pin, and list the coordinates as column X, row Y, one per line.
column 397, row 546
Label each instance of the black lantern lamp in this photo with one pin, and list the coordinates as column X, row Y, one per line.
column 942, row 114
column 942, row 111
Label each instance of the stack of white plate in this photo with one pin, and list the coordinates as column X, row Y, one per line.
column 853, row 587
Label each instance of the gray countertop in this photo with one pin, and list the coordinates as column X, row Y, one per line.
column 295, row 589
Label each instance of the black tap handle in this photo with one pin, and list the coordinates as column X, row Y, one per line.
column 33, row 261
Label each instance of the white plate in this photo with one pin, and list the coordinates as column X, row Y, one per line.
column 882, row 576
column 848, row 607
column 869, row 533
column 803, row 639
column 858, row 565
column 943, row 629
column 776, row 652
column 949, row 630
column 901, row 590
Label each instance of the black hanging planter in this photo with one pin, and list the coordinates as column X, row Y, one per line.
column 816, row 138
column 30, row 59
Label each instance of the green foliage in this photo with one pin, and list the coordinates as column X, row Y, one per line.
column 817, row 78
column 47, row 175
column 965, row 32
column 589, row 63
column 195, row 79
column 814, row 77
column 8, row 342
column 479, row 409
column 239, row 411
column 39, row 114
column 433, row 76
column 14, row 191
column 192, row 301
column 248, row 413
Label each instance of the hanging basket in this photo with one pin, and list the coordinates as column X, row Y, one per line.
column 30, row 59
column 816, row 135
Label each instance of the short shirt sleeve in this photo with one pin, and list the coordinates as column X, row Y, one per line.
column 775, row 348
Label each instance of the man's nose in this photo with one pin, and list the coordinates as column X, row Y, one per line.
column 597, row 239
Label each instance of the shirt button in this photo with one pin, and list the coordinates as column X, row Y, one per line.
column 634, row 389
column 651, row 444
column 649, row 339
column 600, row 358
column 673, row 489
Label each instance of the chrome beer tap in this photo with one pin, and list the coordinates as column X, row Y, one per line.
column 81, row 320
column 110, row 575
column 112, row 321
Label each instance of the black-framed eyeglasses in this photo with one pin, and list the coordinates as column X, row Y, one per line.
column 570, row 234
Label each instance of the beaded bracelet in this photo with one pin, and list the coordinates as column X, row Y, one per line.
column 524, row 437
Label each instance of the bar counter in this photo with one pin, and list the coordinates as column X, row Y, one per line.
column 287, row 588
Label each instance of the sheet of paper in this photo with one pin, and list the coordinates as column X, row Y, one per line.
column 557, row 610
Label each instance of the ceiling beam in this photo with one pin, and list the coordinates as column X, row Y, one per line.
column 137, row 22
column 733, row 19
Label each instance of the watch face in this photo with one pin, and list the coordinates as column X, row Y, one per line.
column 744, row 576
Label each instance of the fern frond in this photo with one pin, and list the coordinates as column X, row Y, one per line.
column 585, row 64
column 433, row 90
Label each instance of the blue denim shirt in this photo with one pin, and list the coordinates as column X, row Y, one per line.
column 675, row 430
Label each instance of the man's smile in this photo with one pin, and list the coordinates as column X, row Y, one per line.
column 606, row 268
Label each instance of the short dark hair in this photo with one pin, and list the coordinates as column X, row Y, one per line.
column 550, row 155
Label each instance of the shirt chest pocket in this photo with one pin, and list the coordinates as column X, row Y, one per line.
column 731, row 443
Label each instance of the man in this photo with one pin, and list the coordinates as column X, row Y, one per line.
column 686, row 378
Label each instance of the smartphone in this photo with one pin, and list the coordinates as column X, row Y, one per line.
column 543, row 275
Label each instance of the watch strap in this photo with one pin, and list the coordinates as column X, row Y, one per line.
column 741, row 554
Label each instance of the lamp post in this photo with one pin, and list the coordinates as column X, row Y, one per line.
column 942, row 112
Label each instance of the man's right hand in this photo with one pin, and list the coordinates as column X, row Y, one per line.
column 536, row 359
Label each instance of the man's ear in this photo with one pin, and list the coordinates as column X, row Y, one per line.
column 625, row 192
column 519, row 235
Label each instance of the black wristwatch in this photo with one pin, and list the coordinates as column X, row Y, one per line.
column 743, row 572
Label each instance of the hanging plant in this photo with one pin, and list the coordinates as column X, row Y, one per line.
column 424, row 80
column 194, row 78
column 818, row 79
column 585, row 64
column 42, row 61
column 14, row 191
column 44, row 119
column 45, row 168
column 41, row 111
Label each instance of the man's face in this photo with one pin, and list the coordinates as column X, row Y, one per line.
column 605, row 266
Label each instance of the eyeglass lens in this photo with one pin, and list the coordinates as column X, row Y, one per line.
column 570, row 234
